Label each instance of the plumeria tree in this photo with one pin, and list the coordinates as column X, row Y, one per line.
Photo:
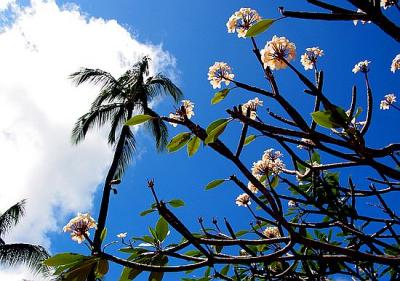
column 306, row 223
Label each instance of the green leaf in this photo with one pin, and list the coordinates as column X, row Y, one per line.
column 178, row 141
column 129, row 274
column 274, row 182
column 214, row 184
column 315, row 157
column 225, row 270
column 213, row 134
column 146, row 212
column 193, row 145
column 249, row 139
column 144, row 238
column 219, row 96
column 134, row 273
column 215, row 124
column 176, row 203
column 162, row 229
column 102, row 267
column 79, row 271
column 207, row 272
column 103, row 234
column 138, row 119
column 153, row 232
column 63, row 258
column 241, row 233
column 156, row 276
column 194, row 253
column 259, row 27
column 329, row 120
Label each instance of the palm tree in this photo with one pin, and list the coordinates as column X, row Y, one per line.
column 117, row 101
column 19, row 253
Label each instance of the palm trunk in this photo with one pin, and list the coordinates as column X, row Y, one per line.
column 105, row 200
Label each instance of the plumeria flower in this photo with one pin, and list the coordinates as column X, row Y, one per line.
column 242, row 20
column 387, row 101
column 363, row 21
column 270, row 162
column 218, row 73
column 271, row 232
column 276, row 50
column 186, row 109
column 251, row 186
column 188, row 106
column 174, row 116
column 395, row 64
column 252, row 105
column 122, row 235
column 387, row 3
column 362, row 66
column 243, row 200
column 79, row 227
column 309, row 59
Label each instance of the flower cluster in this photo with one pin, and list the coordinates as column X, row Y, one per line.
column 251, row 186
column 186, row 109
column 362, row 66
column 387, row 101
column 243, row 200
column 277, row 51
column 242, row 20
column 252, row 105
column 218, row 73
column 79, row 227
column 271, row 232
column 270, row 162
column 387, row 3
column 395, row 64
column 309, row 59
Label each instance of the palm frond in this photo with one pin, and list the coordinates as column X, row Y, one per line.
column 109, row 95
column 127, row 152
column 142, row 66
column 158, row 129
column 26, row 254
column 11, row 217
column 161, row 85
column 117, row 122
column 94, row 76
column 134, row 77
column 96, row 117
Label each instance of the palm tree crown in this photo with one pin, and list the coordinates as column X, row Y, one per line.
column 19, row 253
column 118, row 100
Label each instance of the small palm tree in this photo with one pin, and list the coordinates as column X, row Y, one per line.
column 118, row 100
column 19, row 253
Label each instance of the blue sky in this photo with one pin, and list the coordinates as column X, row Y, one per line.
column 194, row 34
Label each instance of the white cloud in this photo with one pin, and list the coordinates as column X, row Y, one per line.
column 4, row 4
column 38, row 106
